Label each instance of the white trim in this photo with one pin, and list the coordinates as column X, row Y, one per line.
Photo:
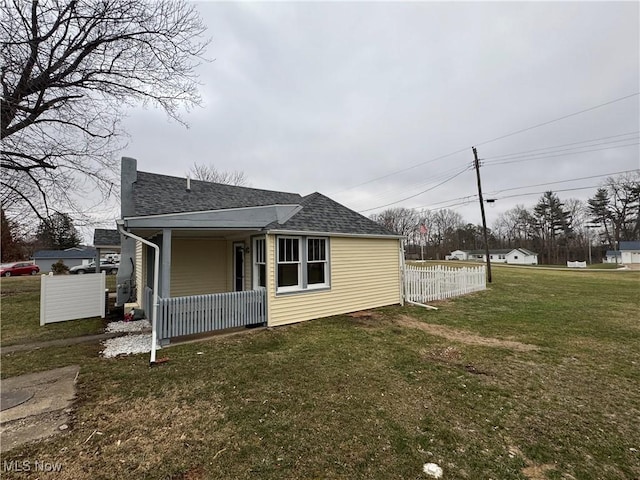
column 254, row 262
column 331, row 234
column 235, row 246
column 298, row 263
column 325, row 262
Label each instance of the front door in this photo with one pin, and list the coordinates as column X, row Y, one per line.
column 238, row 267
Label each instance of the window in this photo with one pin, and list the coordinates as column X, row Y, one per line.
column 259, row 263
column 289, row 263
column 316, row 262
column 302, row 263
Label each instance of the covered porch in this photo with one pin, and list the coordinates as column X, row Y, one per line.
column 205, row 280
column 211, row 268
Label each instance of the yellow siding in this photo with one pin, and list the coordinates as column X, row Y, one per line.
column 198, row 266
column 365, row 273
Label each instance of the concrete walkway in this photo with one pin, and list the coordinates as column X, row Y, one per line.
column 36, row 405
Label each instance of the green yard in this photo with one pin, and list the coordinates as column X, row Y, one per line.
column 538, row 377
column 20, row 297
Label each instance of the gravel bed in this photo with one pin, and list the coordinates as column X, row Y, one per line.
column 129, row 344
column 132, row 326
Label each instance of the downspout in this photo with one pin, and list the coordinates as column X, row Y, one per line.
column 156, row 270
column 403, row 274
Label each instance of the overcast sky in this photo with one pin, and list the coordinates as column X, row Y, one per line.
column 326, row 96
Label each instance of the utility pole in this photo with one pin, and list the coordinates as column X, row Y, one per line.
column 484, row 220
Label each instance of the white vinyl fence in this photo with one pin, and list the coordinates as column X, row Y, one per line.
column 426, row 284
column 69, row 297
column 577, row 264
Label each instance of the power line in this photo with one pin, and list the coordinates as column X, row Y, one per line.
column 540, row 193
column 403, row 170
column 489, row 141
column 419, row 193
column 496, row 192
column 470, row 198
column 383, row 196
column 566, row 145
column 559, row 118
column 505, row 162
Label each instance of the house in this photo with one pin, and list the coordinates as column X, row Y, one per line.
column 71, row 257
column 511, row 256
column 107, row 244
column 258, row 256
column 630, row 253
column 612, row 256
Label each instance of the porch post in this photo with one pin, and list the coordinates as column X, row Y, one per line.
column 165, row 269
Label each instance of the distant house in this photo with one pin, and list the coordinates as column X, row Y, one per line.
column 511, row 256
column 630, row 253
column 612, row 256
column 71, row 257
column 107, row 244
column 235, row 255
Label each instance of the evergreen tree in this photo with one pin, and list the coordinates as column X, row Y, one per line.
column 57, row 232
column 554, row 224
column 12, row 246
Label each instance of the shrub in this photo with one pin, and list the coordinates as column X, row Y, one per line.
column 59, row 268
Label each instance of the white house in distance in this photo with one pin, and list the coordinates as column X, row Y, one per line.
column 630, row 253
column 511, row 256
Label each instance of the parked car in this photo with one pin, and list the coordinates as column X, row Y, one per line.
column 110, row 268
column 18, row 268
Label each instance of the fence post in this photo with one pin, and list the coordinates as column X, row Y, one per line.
column 43, row 296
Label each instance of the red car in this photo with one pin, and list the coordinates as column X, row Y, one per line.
column 18, row 268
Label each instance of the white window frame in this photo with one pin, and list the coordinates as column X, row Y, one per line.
column 303, row 285
column 259, row 258
column 298, row 286
column 325, row 262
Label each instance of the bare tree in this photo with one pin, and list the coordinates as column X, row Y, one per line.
column 616, row 208
column 209, row 173
column 403, row 221
column 69, row 68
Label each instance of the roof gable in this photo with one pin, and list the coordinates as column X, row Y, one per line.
column 155, row 194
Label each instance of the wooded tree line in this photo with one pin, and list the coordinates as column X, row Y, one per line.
column 558, row 230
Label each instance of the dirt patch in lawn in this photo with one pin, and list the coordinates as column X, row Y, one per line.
column 462, row 336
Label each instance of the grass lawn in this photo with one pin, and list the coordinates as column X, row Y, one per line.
column 538, row 377
column 20, row 314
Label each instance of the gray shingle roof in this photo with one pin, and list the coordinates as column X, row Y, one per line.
column 160, row 194
column 87, row 253
column 322, row 214
column 157, row 194
column 629, row 245
column 102, row 236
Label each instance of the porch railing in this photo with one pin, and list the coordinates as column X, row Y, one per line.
column 195, row 314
